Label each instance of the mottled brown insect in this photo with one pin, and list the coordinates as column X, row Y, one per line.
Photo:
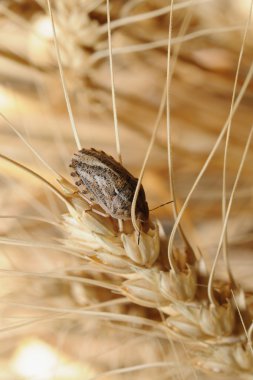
column 107, row 183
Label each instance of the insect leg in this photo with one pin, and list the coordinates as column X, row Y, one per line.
column 90, row 202
column 97, row 212
column 85, row 198
column 139, row 235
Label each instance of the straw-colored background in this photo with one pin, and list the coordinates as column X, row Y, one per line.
column 31, row 97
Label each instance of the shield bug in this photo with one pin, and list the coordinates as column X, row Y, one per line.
column 104, row 181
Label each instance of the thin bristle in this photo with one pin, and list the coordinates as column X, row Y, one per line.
column 91, row 290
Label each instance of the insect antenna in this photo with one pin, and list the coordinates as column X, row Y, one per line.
column 152, row 209
column 163, row 204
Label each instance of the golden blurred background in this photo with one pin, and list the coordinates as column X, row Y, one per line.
column 207, row 37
